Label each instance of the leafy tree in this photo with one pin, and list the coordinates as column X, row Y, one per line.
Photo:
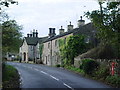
column 6, row 3
column 107, row 21
column 11, row 36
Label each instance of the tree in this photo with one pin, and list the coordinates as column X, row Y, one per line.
column 107, row 21
column 11, row 36
column 6, row 3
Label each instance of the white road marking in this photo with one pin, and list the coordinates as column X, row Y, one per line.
column 20, row 78
column 43, row 72
column 36, row 69
column 19, row 73
column 50, row 75
column 54, row 78
column 68, row 86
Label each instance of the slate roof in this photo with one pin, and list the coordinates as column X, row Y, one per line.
column 86, row 29
column 34, row 40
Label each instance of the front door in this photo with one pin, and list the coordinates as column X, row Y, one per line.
column 24, row 56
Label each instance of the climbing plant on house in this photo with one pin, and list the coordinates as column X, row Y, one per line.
column 73, row 46
column 62, row 45
column 41, row 50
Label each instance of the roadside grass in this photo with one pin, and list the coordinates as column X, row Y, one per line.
column 10, row 77
column 77, row 70
column 101, row 75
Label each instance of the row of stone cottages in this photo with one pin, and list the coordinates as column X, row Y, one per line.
column 30, row 48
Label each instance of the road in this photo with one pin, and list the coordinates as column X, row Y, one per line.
column 41, row 76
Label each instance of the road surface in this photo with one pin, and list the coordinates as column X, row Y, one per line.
column 41, row 76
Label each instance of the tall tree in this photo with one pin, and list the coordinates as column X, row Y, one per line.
column 108, row 25
column 11, row 36
column 6, row 3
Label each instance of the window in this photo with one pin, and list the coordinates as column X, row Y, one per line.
column 48, row 45
column 48, row 57
column 55, row 42
column 31, row 48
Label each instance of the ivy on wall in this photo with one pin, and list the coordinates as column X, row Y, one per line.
column 41, row 50
column 62, row 44
column 73, row 46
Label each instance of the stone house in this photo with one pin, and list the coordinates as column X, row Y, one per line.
column 51, row 50
column 29, row 49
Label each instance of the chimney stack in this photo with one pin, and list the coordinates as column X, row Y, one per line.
column 61, row 31
column 52, row 32
column 70, row 27
column 36, row 33
column 28, row 35
column 81, row 22
column 33, row 32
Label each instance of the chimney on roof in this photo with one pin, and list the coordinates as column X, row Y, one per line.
column 28, row 35
column 81, row 22
column 70, row 27
column 61, row 31
column 36, row 33
column 52, row 32
column 33, row 32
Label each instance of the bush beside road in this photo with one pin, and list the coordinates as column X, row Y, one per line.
column 10, row 77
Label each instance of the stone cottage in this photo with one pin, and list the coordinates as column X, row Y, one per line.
column 29, row 49
column 51, row 51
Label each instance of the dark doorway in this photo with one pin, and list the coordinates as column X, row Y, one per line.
column 24, row 56
column 46, row 59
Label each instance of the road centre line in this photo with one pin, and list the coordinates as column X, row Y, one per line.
column 44, row 72
column 68, row 86
column 54, row 78
column 36, row 69
column 50, row 75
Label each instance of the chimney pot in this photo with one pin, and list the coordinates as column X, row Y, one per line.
column 81, row 22
column 27, row 35
column 61, row 31
column 69, row 27
column 36, row 33
column 52, row 32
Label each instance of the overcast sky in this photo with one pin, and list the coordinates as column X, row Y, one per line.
column 43, row 14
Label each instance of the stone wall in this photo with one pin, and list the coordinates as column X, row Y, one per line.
column 51, row 52
column 78, row 61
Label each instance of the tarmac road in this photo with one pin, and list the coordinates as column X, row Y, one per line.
column 41, row 76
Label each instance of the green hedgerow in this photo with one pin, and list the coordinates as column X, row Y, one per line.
column 114, row 80
column 89, row 65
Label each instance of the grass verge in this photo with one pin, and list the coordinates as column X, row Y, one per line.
column 10, row 77
column 113, row 81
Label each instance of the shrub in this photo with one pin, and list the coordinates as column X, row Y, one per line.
column 102, row 72
column 114, row 80
column 62, row 65
column 58, row 65
column 89, row 65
